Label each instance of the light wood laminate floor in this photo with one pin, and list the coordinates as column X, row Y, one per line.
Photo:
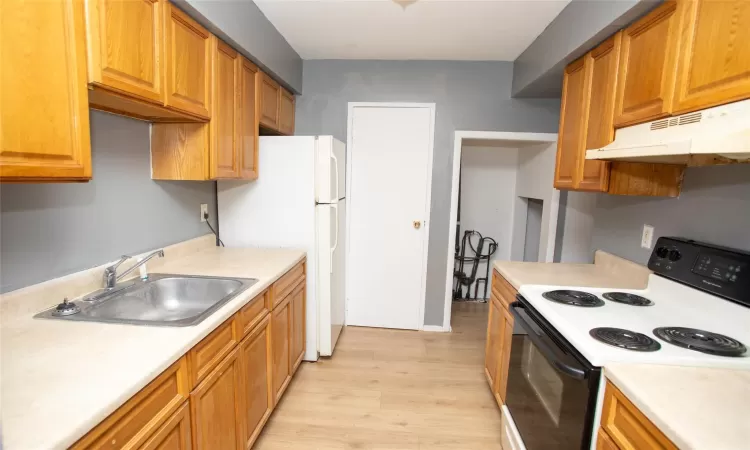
column 389, row 389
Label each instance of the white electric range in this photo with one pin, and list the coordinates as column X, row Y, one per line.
column 694, row 312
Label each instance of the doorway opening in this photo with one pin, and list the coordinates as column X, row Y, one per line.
column 502, row 182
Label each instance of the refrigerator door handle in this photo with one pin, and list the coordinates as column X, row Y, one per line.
column 336, row 239
column 336, row 197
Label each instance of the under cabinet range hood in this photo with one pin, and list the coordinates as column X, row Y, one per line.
column 719, row 135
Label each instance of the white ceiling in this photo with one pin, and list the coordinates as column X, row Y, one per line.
column 475, row 30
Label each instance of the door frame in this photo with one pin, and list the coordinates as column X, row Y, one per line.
column 428, row 198
column 458, row 138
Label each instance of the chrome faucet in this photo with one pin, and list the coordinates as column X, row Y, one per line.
column 110, row 273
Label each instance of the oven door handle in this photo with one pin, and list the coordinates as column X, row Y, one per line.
column 525, row 322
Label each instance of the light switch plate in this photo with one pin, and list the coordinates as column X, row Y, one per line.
column 647, row 237
column 204, row 211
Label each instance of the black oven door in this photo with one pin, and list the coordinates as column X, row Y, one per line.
column 552, row 388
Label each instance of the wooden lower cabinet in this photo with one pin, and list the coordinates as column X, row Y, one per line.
column 494, row 340
column 604, row 442
column 281, row 320
column 216, row 407
column 255, row 359
column 297, row 331
column 625, row 427
column 142, row 415
column 174, row 434
column 499, row 337
column 220, row 394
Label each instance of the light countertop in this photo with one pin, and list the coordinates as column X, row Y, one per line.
column 60, row 379
column 607, row 271
column 697, row 408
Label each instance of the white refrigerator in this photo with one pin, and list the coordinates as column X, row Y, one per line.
column 298, row 201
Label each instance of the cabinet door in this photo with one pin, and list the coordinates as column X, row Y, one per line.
column 714, row 62
column 255, row 358
column 188, row 63
column 281, row 321
column 502, row 373
column 224, row 117
column 44, row 113
column 269, row 102
column 247, row 127
column 573, row 115
column 600, row 129
column 648, row 63
column 492, row 349
column 125, row 40
column 174, row 434
column 286, row 112
column 604, row 442
column 298, row 326
column 216, row 408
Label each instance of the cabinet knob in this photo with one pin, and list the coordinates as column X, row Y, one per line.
column 417, row 224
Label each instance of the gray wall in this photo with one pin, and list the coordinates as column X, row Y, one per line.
column 51, row 230
column 468, row 96
column 714, row 207
column 242, row 24
column 582, row 25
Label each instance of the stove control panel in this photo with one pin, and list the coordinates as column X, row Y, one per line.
column 718, row 270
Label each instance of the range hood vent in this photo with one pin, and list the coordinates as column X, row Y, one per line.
column 714, row 135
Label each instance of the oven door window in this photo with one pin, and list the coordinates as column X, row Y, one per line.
column 548, row 407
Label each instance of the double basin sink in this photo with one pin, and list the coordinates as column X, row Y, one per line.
column 158, row 300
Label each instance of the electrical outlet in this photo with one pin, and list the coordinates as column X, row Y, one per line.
column 204, row 211
column 647, row 237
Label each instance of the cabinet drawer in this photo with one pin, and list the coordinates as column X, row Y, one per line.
column 627, row 426
column 253, row 312
column 604, row 442
column 136, row 420
column 505, row 292
column 286, row 284
column 174, row 434
column 211, row 350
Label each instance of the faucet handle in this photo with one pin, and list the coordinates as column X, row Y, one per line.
column 123, row 258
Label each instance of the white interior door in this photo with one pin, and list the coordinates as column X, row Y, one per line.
column 390, row 163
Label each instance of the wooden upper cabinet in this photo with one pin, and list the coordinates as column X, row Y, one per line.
column 124, row 43
column 225, row 161
column 44, row 113
column 573, row 115
column 714, row 63
column 600, row 129
column 216, row 408
column 269, row 102
column 286, row 112
column 648, row 63
column 247, row 126
column 188, row 53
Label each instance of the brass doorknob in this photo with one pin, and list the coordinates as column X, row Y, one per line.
column 417, row 224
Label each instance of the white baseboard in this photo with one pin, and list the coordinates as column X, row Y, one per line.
column 436, row 328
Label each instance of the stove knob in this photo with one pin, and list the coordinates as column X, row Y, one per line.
column 662, row 252
column 674, row 255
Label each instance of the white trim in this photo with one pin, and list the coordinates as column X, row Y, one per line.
column 428, row 199
column 436, row 329
column 459, row 136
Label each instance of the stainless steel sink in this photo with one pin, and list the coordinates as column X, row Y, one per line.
column 159, row 300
